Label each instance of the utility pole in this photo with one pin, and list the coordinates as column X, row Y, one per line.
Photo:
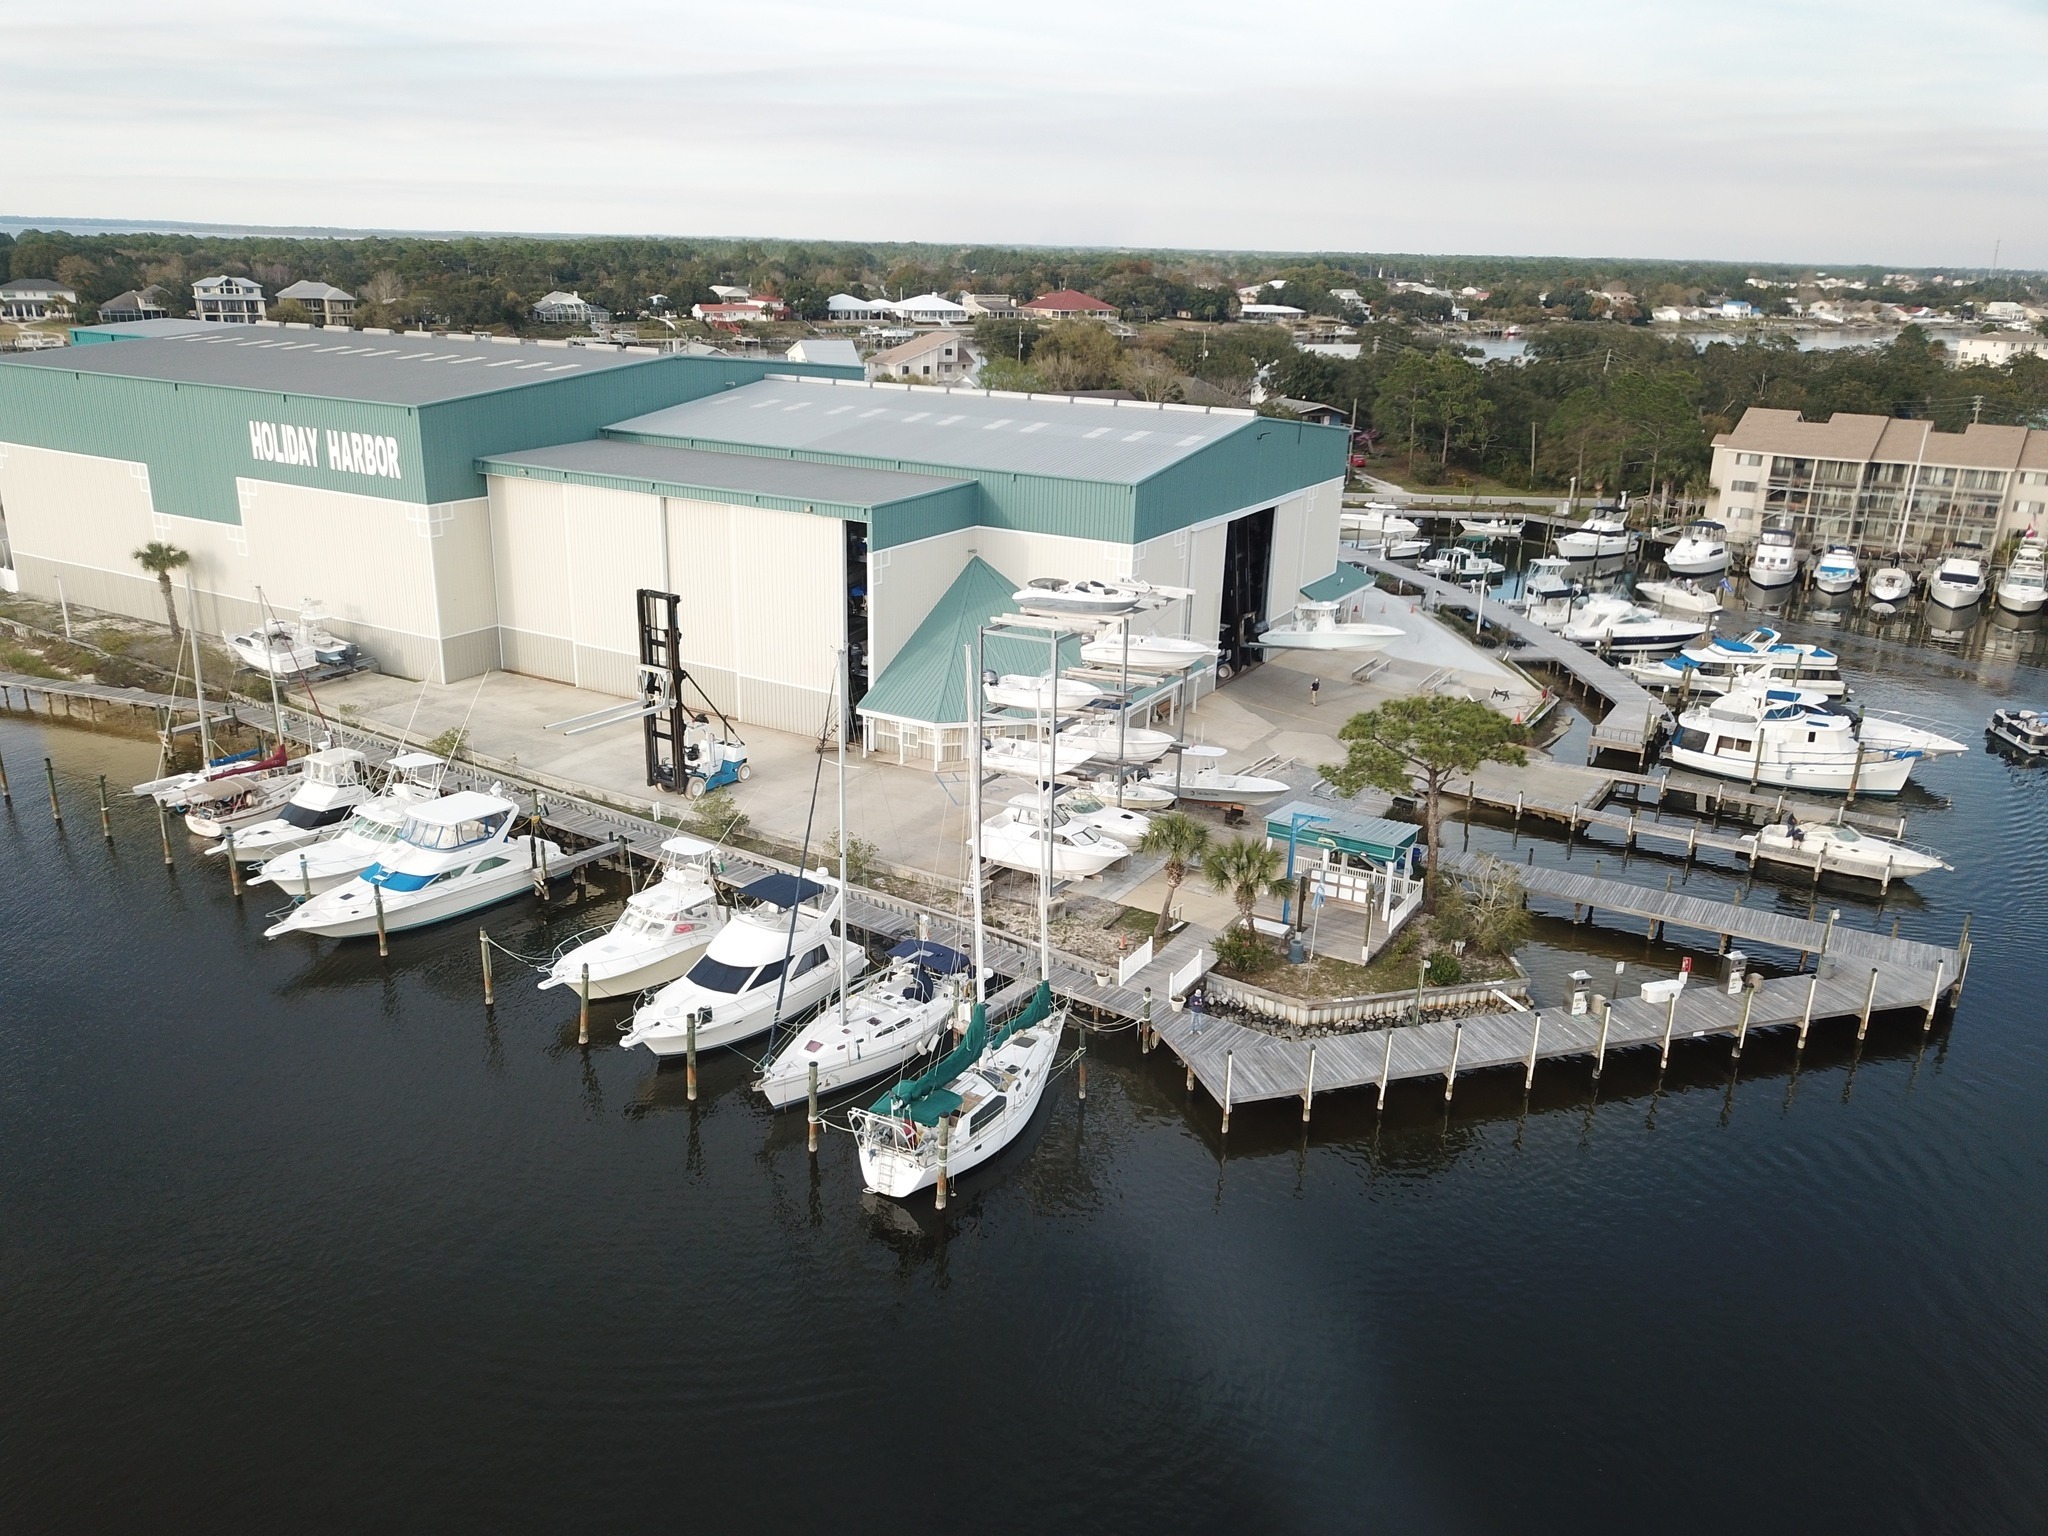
column 1976, row 409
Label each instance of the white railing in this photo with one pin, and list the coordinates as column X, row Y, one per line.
column 1189, row 974
column 1133, row 963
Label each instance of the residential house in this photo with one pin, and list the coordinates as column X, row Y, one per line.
column 995, row 306
column 36, row 298
column 1735, row 309
column 127, row 308
column 932, row 309
column 327, row 304
column 825, row 349
column 1998, row 348
column 1067, row 305
column 227, row 300
column 1310, row 410
column 1271, row 314
column 559, row 308
column 726, row 294
column 740, row 312
column 937, row 357
column 844, row 306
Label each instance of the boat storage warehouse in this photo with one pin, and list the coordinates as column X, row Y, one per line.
column 458, row 504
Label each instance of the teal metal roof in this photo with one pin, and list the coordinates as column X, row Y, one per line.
column 1342, row 582
column 926, row 682
column 1346, row 831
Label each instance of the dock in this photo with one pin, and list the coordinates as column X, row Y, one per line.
column 1635, row 717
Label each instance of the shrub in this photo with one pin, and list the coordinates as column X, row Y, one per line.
column 449, row 743
column 119, row 672
column 1444, row 970
column 861, row 857
column 718, row 816
column 1243, row 951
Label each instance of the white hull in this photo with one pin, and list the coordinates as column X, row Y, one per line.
column 1890, row 586
column 1887, row 776
column 1834, row 586
column 627, row 979
column 899, row 1174
column 1948, row 596
column 880, row 1036
column 1866, row 858
column 1231, row 789
column 2021, row 599
column 318, row 877
column 259, row 844
column 742, row 1018
column 1772, row 575
column 1587, row 546
column 1147, row 653
column 350, row 911
column 1697, row 565
column 1334, row 637
column 1679, row 599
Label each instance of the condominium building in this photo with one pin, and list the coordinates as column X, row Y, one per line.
column 1878, row 482
column 327, row 304
column 227, row 300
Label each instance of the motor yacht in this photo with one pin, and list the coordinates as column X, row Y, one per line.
column 890, row 1020
column 1080, row 599
column 1775, row 560
column 1085, row 808
column 1044, row 692
column 1722, row 663
column 1683, row 595
column 1754, row 734
column 1701, row 550
column 2024, row 730
column 1016, row 837
column 1889, row 584
column 332, row 784
column 1837, row 570
column 1492, row 527
column 1316, row 627
column 1616, row 626
column 1030, row 758
column 2024, row 587
column 285, row 650
column 1145, row 653
column 1454, row 562
column 775, row 957
column 664, row 928
column 1548, row 591
column 1597, row 538
column 452, row 856
column 1959, row 580
column 974, row 1102
column 342, row 852
column 1841, row 850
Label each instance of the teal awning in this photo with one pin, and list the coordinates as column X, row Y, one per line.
column 926, row 681
column 925, row 1099
column 1327, row 825
column 1341, row 582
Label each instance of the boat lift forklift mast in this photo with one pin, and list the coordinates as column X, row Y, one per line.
column 683, row 752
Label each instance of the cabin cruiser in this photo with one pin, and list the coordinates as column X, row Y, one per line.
column 1701, row 550
column 1775, row 560
column 331, row 786
column 965, row 1109
column 2024, row 587
column 662, row 931
column 1890, row 584
column 1114, row 741
column 1840, row 850
column 2024, row 730
column 1492, row 527
column 220, row 806
column 1684, row 595
column 345, row 851
column 774, row 958
column 1758, row 735
column 1016, row 838
column 1837, row 571
column 1120, row 823
column 1597, row 538
column 1548, row 591
column 452, row 856
column 285, row 650
column 1316, row 627
column 1615, row 625
column 1760, row 656
column 895, row 1016
column 1454, row 562
column 1023, row 758
column 1959, row 580
column 1044, row 692
column 1378, row 522
column 1145, row 653
column 1081, row 599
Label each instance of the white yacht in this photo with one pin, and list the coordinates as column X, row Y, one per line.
column 2024, row 587
column 1890, row 584
column 1030, row 758
column 1492, row 527
column 345, row 851
column 1085, row 808
column 664, row 928
column 1548, row 591
column 1597, row 538
column 1316, row 627
column 225, row 805
column 967, row 1108
column 1959, row 580
column 1837, row 570
column 1723, row 663
column 1775, row 560
column 1454, row 562
column 1044, row 692
column 452, row 856
column 332, row 785
column 1016, row 838
column 1683, row 595
column 1701, row 550
column 1136, row 792
column 1112, row 742
column 888, row 1021
column 775, row 957
column 1614, row 625
column 285, row 650
column 1841, row 851
column 1378, row 522
column 1080, row 599
column 1145, row 653
column 1755, row 734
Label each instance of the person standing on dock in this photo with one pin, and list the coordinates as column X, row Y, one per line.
column 1315, row 691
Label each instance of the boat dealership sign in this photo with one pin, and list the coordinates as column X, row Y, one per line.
column 355, row 453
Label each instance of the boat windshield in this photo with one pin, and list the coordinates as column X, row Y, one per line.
column 721, row 976
column 452, row 834
column 371, row 830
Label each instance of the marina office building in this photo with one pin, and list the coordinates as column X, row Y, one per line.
column 457, row 504
column 1878, row 482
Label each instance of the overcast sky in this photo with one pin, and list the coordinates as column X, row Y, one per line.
column 1800, row 130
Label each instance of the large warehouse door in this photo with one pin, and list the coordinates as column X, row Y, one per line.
column 1247, row 565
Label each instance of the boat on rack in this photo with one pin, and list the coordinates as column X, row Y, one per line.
column 775, row 957
column 1765, row 737
column 1030, row 758
column 1111, row 742
column 452, row 856
column 1959, row 580
column 1017, row 838
column 1682, row 595
column 281, row 649
column 1455, row 562
column 411, row 778
column 1841, row 850
column 1316, row 627
column 2024, row 730
column 1377, row 522
column 333, row 783
column 1492, row 527
column 1136, row 791
column 1036, row 694
column 1145, row 653
column 1774, row 562
column 1701, row 550
column 1837, row 570
column 2024, row 587
column 663, row 929
column 893, row 1018
column 1211, row 786
column 1614, row 625
column 1889, row 584
column 1081, row 599
column 1759, row 657
column 1597, row 538
column 1085, row 808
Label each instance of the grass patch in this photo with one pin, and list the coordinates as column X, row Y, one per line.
column 1327, row 978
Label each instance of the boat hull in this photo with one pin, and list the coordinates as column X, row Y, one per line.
column 2021, row 599
column 1834, row 584
column 753, row 1016
column 1337, row 637
column 1885, row 777
column 628, row 980
column 1775, row 846
column 357, row 918
column 841, row 1064
column 1953, row 597
column 1696, row 565
column 899, row 1175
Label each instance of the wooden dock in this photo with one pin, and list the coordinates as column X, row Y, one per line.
column 1635, row 717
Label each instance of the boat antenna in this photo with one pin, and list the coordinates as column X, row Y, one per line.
column 1052, row 768
column 974, row 813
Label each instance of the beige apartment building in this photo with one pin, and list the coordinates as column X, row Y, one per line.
column 1878, row 482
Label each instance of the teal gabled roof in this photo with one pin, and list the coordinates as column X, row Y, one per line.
column 927, row 680
column 1342, row 582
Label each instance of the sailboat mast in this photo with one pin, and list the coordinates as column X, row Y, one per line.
column 198, row 685
column 276, row 708
column 839, row 685
column 1052, row 764
column 974, row 816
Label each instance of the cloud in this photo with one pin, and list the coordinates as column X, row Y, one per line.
column 1812, row 131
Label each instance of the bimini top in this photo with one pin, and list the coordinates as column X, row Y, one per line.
column 783, row 891
column 938, row 958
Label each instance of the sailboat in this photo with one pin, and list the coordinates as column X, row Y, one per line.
column 890, row 1020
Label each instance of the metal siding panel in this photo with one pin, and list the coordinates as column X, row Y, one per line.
column 700, row 564
column 73, row 507
column 614, row 540
column 904, row 582
column 1273, row 460
column 368, row 561
column 465, row 583
column 789, row 598
column 529, row 558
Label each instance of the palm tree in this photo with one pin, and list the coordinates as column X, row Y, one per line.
column 1244, row 869
column 1183, row 840
column 160, row 559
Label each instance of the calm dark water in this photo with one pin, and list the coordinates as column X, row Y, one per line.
column 292, row 1239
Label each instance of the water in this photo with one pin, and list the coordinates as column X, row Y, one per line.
column 294, row 1239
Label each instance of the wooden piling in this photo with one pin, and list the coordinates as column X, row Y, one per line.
column 1806, row 1013
column 583, row 1007
column 163, row 830
column 56, row 810
column 1600, row 1050
column 1081, row 1076
column 690, row 1058
column 1229, row 1066
column 305, row 880
column 235, row 876
column 106, row 817
column 1535, row 1035
column 945, row 1135
column 1869, row 997
column 1742, row 1029
column 1146, row 1039
column 1670, row 1018
column 1451, row 1071
column 483, row 944
column 811, row 1108
column 383, row 943
column 1933, row 997
column 1308, row 1090
column 6, row 789
column 1386, row 1066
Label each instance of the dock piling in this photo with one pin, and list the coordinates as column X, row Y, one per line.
column 1229, row 1066
column 1869, row 997
column 383, row 944
column 483, row 944
column 1308, row 1090
column 235, row 875
column 945, row 1135
column 583, row 1008
column 106, row 817
column 690, row 1058
column 1451, row 1071
column 1386, row 1066
column 1145, row 1037
column 6, row 790
column 56, row 810
column 1670, row 1018
column 811, row 1108
column 1535, row 1035
column 1600, row 1050
column 1933, row 997
column 1081, row 1076
column 1806, row 1014
column 1742, row 1029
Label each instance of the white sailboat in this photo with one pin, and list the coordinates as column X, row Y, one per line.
column 662, row 931
column 1701, row 550
column 890, row 1020
column 220, row 806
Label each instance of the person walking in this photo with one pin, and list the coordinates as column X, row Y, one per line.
column 1315, row 691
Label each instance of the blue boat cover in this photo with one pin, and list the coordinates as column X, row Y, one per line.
column 933, row 957
column 783, row 891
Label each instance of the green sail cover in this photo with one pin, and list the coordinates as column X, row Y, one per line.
column 925, row 1098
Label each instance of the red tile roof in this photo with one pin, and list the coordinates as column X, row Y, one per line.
column 1067, row 301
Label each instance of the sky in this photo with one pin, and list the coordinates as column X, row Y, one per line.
column 1802, row 130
